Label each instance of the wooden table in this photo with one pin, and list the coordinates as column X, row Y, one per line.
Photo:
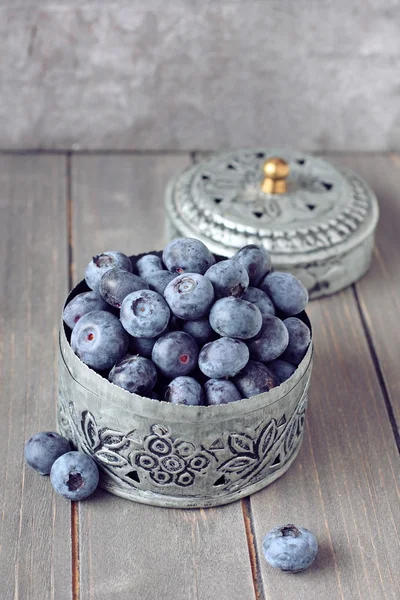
column 56, row 211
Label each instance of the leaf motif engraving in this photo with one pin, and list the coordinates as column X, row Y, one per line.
column 240, row 443
column 290, row 436
column 89, row 429
column 237, row 464
column 113, row 440
column 109, row 457
column 267, row 438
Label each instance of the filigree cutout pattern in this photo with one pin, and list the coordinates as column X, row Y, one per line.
column 163, row 461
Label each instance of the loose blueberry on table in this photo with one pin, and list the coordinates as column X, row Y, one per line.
column 198, row 329
column 290, row 548
column 74, row 476
column 43, row 449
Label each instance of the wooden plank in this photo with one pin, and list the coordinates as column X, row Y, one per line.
column 344, row 485
column 131, row 550
column 35, row 551
column 379, row 290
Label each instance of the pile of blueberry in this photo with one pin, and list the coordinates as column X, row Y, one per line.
column 187, row 328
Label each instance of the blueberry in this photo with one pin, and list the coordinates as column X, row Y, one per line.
column 142, row 346
column 228, row 277
column 148, row 264
column 42, row 449
column 136, row 374
column 117, row 283
column 159, row 280
column 223, row 358
column 144, row 314
column 260, row 299
column 254, row 379
column 257, row 261
column 299, row 340
column 74, row 476
column 102, row 263
column 281, row 369
column 189, row 296
column 82, row 304
column 200, row 329
column 286, row 292
column 271, row 341
column 234, row 317
column 187, row 255
column 290, row 548
column 99, row 340
column 220, row 391
column 184, row 390
column 175, row 354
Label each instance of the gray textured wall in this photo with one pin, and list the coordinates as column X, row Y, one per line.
column 158, row 74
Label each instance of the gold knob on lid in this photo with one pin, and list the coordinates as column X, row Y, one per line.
column 276, row 171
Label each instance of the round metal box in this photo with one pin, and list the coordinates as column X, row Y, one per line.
column 180, row 456
column 317, row 220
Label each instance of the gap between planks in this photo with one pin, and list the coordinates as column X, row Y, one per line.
column 378, row 370
column 253, row 554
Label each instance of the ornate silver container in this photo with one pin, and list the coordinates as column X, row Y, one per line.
column 180, row 456
column 317, row 220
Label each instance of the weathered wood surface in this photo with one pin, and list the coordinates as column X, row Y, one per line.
column 35, row 540
column 127, row 549
column 344, row 485
column 379, row 292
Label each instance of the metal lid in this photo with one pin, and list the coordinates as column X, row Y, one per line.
column 301, row 208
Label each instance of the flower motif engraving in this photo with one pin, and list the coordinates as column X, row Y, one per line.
column 234, row 460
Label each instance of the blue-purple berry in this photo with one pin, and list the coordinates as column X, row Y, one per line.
column 144, row 314
column 99, row 340
column 229, row 278
column 271, row 341
column 260, row 299
column 135, row 374
column 184, row 390
column 290, row 548
column 236, row 318
column 257, row 261
column 175, row 354
column 220, row 391
column 117, row 283
column 286, row 292
column 223, row 358
column 200, row 330
column 254, row 379
column 141, row 346
column 74, row 476
column 148, row 264
column 281, row 369
column 189, row 296
column 82, row 304
column 187, row 255
column 299, row 340
column 159, row 280
column 43, row 449
column 104, row 262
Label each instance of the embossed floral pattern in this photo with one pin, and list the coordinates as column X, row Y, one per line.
column 232, row 461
